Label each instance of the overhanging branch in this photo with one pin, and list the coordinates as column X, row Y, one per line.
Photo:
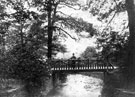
column 71, row 5
column 64, row 13
column 65, row 32
column 112, row 17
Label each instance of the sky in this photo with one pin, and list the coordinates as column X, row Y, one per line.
column 76, row 47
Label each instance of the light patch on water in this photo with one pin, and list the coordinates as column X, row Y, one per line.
column 82, row 86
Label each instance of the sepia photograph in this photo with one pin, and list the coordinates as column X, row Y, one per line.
column 67, row 48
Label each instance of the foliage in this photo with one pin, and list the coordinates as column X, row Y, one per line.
column 103, row 9
column 89, row 53
column 56, row 21
column 26, row 45
column 6, row 62
column 25, row 25
column 110, row 41
column 114, row 45
column 26, row 65
column 23, row 57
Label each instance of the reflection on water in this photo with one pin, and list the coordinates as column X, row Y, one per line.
column 78, row 85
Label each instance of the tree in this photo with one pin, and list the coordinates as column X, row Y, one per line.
column 24, row 24
column 130, row 62
column 89, row 53
column 3, row 30
column 23, row 59
column 120, row 6
column 113, row 45
column 104, row 9
column 57, row 21
column 25, row 33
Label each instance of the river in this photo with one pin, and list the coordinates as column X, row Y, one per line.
column 78, row 85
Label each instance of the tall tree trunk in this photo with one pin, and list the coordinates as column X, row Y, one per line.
column 51, row 21
column 130, row 62
column 50, row 30
column 50, row 34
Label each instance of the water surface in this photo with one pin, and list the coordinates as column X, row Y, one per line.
column 78, row 85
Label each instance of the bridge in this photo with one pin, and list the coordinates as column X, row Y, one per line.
column 81, row 65
column 61, row 66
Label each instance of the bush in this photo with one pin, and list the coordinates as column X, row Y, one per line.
column 29, row 66
column 24, row 64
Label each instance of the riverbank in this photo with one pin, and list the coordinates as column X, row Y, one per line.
column 116, row 85
column 15, row 88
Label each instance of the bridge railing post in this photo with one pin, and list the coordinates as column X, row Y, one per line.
column 96, row 64
column 66, row 64
column 59, row 66
column 90, row 64
column 99, row 64
column 87, row 64
column 79, row 61
column 83, row 64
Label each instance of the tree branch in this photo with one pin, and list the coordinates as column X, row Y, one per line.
column 65, row 32
column 112, row 17
column 54, row 14
column 116, row 3
column 71, row 5
column 64, row 14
